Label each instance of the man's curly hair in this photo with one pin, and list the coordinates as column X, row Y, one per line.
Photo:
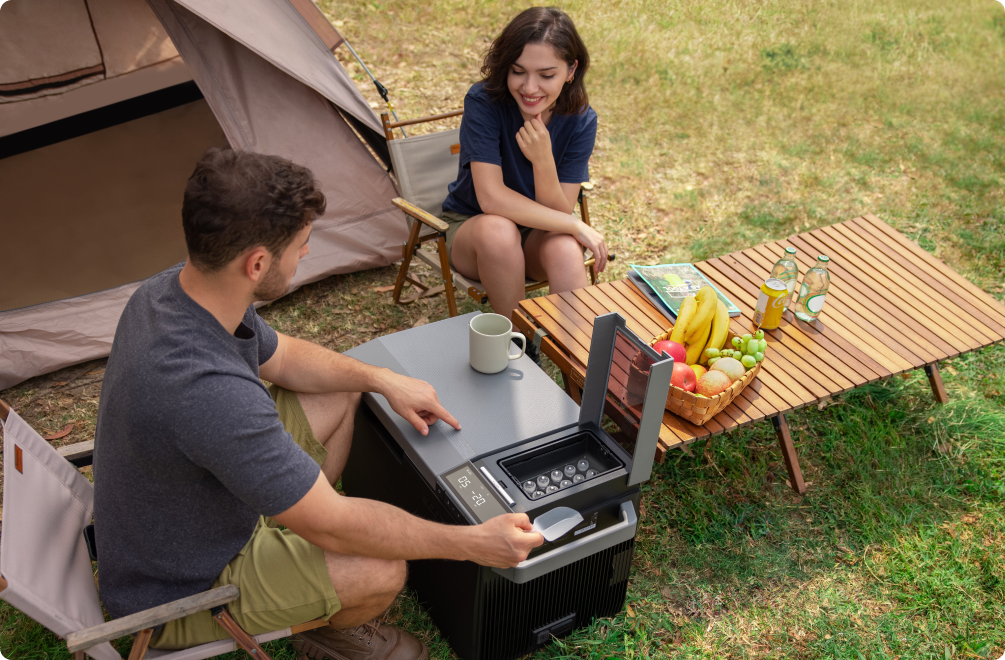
column 237, row 200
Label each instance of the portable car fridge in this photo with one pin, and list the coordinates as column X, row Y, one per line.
column 525, row 446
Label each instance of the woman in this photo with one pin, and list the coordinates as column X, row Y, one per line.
column 526, row 139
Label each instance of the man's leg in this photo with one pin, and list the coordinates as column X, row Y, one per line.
column 366, row 587
column 331, row 418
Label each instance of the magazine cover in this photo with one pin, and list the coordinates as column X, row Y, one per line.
column 674, row 282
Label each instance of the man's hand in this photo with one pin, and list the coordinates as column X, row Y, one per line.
column 534, row 141
column 504, row 541
column 415, row 400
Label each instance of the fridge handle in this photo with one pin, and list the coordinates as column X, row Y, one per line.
column 590, row 544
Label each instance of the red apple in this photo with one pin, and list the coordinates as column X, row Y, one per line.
column 671, row 348
column 683, row 376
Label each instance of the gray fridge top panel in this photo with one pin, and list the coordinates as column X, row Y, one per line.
column 495, row 411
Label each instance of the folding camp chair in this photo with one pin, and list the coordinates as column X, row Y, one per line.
column 424, row 166
column 45, row 566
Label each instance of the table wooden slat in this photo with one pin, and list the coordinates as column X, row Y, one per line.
column 891, row 307
column 899, row 256
column 849, row 310
column 876, row 305
column 980, row 297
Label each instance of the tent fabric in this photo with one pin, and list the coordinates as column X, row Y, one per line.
column 262, row 109
column 277, row 32
column 46, row 505
column 273, row 87
column 122, row 186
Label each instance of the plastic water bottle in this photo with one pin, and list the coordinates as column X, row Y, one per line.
column 813, row 291
column 787, row 270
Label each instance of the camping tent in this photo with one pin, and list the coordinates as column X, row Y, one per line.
column 106, row 105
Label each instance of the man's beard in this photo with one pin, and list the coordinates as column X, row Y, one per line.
column 273, row 284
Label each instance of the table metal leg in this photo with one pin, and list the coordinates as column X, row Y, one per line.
column 789, row 454
column 935, row 378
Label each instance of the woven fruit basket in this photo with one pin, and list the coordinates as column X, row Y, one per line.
column 698, row 409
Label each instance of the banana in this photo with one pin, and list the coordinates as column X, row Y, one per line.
column 687, row 310
column 694, row 350
column 720, row 326
column 706, row 299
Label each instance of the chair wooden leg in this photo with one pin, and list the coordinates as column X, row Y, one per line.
column 789, row 454
column 243, row 639
column 140, row 644
column 448, row 279
column 935, row 378
column 79, row 655
column 409, row 251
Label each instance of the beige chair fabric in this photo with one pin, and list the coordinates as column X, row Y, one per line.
column 425, row 167
column 46, row 505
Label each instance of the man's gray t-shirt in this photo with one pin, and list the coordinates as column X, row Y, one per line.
column 189, row 449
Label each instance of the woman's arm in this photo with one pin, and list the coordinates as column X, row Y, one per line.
column 496, row 198
column 535, row 143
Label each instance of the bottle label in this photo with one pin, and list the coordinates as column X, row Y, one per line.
column 816, row 303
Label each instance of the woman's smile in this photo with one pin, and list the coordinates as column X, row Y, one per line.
column 536, row 80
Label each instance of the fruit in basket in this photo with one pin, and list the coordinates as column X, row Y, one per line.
column 748, row 361
column 695, row 348
column 687, row 310
column 699, row 370
column 720, row 327
column 683, row 377
column 671, row 348
column 731, row 367
column 701, row 324
column 712, row 383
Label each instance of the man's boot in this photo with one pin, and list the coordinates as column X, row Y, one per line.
column 370, row 641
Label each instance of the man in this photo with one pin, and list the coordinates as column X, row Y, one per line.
column 199, row 466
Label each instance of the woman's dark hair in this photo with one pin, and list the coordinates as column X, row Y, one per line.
column 538, row 25
column 237, row 200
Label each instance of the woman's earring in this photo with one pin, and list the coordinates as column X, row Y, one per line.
column 569, row 81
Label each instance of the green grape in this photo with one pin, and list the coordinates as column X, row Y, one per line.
column 711, row 352
column 758, row 356
column 759, row 334
column 747, row 337
column 752, row 347
column 712, row 361
column 748, row 361
column 762, row 345
column 736, row 342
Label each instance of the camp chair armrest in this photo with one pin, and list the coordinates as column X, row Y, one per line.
column 155, row 616
column 420, row 215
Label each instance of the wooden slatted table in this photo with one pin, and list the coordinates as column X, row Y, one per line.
column 891, row 308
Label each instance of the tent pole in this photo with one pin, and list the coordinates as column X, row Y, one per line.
column 380, row 88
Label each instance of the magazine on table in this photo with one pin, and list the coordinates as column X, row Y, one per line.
column 674, row 282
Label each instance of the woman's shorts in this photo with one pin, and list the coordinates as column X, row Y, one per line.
column 455, row 220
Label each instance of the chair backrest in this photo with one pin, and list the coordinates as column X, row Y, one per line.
column 425, row 164
column 43, row 557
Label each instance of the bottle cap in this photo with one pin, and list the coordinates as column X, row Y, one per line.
column 824, row 258
column 790, row 250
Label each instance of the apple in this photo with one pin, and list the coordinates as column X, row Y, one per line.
column 712, row 383
column 683, row 377
column 731, row 367
column 673, row 349
column 699, row 370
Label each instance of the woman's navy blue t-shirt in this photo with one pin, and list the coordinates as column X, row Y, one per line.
column 488, row 135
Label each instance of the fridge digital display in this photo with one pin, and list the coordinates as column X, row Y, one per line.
column 475, row 493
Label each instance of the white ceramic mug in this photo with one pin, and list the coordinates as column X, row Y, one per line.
column 489, row 340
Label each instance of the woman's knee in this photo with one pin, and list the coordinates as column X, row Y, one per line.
column 497, row 234
column 561, row 250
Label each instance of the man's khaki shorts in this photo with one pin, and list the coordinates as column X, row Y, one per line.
column 282, row 578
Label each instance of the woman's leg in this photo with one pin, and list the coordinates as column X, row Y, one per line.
column 557, row 258
column 487, row 248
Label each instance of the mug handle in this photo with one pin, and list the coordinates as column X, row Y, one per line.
column 523, row 345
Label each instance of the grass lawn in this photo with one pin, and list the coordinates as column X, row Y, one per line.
column 725, row 124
